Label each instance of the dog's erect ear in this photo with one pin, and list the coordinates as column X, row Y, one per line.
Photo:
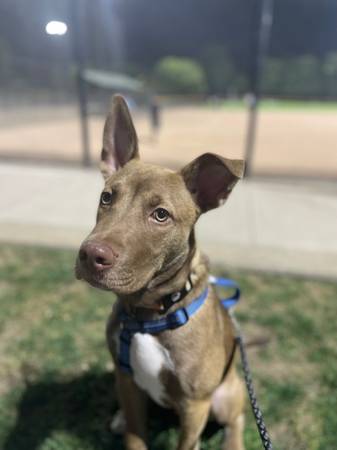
column 211, row 178
column 120, row 143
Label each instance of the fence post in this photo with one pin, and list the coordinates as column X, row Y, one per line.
column 78, row 43
column 261, row 45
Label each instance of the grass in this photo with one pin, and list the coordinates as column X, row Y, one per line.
column 56, row 377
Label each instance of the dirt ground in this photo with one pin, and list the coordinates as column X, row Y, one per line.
column 291, row 142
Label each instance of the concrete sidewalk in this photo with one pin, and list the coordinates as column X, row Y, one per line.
column 273, row 226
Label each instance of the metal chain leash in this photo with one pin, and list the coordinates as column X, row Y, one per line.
column 261, row 426
column 228, row 304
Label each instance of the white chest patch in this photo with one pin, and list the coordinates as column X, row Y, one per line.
column 148, row 358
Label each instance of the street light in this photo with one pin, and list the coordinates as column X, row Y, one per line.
column 59, row 28
column 56, row 27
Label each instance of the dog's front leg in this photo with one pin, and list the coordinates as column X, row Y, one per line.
column 193, row 416
column 133, row 403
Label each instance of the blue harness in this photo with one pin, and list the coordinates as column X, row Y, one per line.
column 176, row 319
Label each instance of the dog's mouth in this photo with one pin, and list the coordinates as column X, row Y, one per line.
column 106, row 280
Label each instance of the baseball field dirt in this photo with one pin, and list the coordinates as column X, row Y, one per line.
column 289, row 140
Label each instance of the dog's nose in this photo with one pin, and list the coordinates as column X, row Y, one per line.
column 97, row 255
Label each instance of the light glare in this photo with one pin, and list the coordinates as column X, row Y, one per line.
column 55, row 27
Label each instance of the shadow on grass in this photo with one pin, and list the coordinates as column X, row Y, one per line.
column 82, row 408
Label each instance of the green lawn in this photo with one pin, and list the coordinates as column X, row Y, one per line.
column 56, row 376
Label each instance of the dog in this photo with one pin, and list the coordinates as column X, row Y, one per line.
column 143, row 249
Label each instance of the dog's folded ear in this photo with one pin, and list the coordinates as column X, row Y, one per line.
column 120, row 143
column 211, row 178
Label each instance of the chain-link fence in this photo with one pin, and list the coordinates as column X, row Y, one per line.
column 202, row 58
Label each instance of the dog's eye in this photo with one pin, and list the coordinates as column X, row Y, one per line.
column 160, row 215
column 106, row 198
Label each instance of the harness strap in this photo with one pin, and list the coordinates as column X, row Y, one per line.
column 173, row 320
column 227, row 302
column 176, row 319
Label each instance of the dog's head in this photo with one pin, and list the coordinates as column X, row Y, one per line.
column 146, row 214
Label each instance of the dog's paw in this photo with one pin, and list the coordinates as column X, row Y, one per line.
column 118, row 425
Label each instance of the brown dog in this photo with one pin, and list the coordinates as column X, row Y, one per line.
column 143, row 249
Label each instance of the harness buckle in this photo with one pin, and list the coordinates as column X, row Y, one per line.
column 177, row 318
